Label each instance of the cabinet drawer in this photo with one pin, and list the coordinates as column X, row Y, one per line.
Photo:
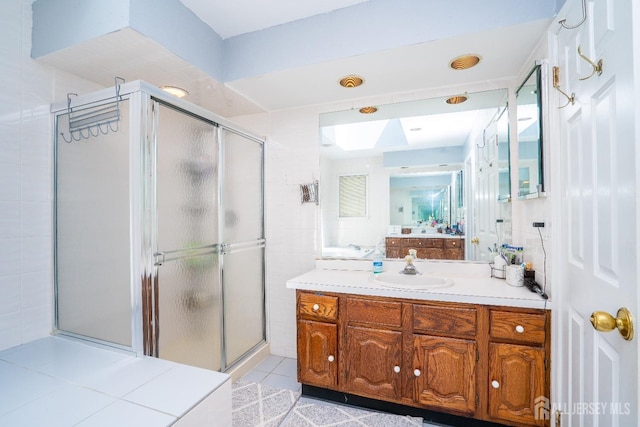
column 393, row 242
column 453, row 243
column 412, row 243
column 432, row 243
column 317, row 306
column 433, row 319
column 522, row 327
column 374, row 312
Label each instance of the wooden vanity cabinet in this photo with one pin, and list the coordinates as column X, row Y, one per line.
column 475, row 361
column 453, row 248
column 444, row 357
column 372, row 359
column 426, row 247
column 518, row 375
column 317, row 339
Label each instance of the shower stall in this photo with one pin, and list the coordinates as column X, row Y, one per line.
column 159, row 230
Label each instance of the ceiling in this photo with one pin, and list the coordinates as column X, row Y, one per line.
column 398, row 67
column 232, row 18
column 404, row 69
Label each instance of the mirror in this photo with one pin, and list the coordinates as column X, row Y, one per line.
column 529, row 112
column 504, row 154
column 415, row 156
column 420, row 199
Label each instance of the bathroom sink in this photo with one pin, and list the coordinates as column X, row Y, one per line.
column 409, row 281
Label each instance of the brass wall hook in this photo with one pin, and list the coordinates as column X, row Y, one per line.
column 556, row 84
column 563, row 22
column 597, row 68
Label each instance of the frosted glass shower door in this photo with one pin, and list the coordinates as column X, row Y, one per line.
column 243, row 233
column 186, row 249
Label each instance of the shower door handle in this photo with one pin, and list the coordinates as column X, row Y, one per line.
column 162, row 257
column 159, row 258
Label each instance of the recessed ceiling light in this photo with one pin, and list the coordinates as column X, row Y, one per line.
column 368, row 110
column 458, row 99
column 175, row 91
column 351, row 81
column 464, row 61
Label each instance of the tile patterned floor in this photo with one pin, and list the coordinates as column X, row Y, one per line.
column 274, row 381
column 259, row 405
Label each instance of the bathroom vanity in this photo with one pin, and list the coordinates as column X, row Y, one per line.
column 438, row 246
column 474, row 348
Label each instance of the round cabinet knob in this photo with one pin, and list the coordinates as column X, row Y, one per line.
column 315, row 307
column 331, row 358
column 416, row 372
column 453, row 243
column 519, row 329
column 495, row 384
column 396, row 369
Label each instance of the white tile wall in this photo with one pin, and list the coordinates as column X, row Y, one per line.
column 26, row 178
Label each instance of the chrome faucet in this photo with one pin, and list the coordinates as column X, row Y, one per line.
column 356, row 247
column 409, row 268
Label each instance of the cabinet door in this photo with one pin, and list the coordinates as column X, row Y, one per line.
column 516, row 388
column 394, row 252
column 374, row 362
column 453, row 254
column 445, row 373
column 317, row 353
column 433, row 253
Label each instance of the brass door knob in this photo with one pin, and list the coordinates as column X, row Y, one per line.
column 604, row 322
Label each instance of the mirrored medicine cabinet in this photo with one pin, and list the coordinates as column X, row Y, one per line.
column 529, row 129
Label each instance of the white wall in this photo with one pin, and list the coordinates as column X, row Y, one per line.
column 26, row 285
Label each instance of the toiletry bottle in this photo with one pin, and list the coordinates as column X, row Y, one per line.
column 377, row 262
column 499, row 265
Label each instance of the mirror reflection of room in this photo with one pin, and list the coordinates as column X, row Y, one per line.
column 420, row 161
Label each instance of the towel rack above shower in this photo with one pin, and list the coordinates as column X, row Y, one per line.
column 93, row 121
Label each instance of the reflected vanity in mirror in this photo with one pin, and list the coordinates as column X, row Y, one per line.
column 529, row 112
column 418, row 162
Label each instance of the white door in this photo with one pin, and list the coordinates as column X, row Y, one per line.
column 486, row 195
column 597, row 383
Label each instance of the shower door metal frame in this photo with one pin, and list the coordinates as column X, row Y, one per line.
column 227, row 248
column 149, row 281
column 130, row 92
column 143, row 273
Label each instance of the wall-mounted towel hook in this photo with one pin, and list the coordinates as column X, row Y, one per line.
column 85, row 122
column 556, row 84
column 597, row 68
column 563, row 22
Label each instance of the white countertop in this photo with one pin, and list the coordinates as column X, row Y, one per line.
column 426, row 236
column 472, row 283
